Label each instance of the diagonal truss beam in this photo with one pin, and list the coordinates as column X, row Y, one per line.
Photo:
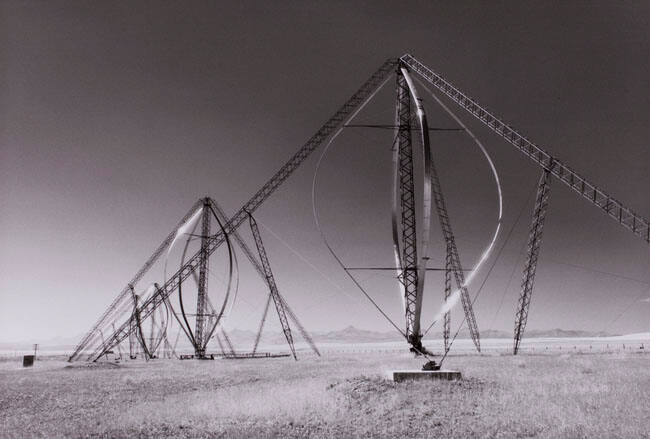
column 446, row 328
column 270, row 281
column 228, row 342
column 456, row 267
column 534, row 242
column 261, row 327
column 623, row 215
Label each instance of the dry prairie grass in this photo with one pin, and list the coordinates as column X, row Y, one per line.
column 544, row 396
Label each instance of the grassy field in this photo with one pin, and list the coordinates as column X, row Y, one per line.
column 548, row 396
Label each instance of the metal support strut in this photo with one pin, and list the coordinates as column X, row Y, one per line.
column 262, row 321
column 446, row 329
column 534, row 241
column 270, row 280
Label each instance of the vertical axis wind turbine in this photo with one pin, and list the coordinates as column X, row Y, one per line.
column 551, row 166
column 411, row 268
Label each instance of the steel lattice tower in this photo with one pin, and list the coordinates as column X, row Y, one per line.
column 445, row 225
column 199, row 332
column 534, row 242
column 446, row 329
column 412, row 270
column 409, row 255
column 457, row 268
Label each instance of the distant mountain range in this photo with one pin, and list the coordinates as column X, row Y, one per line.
column 347, row 335
column 352, row 334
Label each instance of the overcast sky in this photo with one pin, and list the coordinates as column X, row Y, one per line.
column 116, row 116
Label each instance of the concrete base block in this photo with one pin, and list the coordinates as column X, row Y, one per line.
column 425, row 375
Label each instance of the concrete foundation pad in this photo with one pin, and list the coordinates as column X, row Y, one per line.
column 425, row 375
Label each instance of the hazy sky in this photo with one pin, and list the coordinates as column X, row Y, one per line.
column 117, row 116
